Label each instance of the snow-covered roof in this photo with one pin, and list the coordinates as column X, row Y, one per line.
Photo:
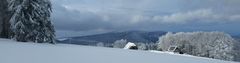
column 128, row 45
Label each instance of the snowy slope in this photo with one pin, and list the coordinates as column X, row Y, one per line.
column 17, row 52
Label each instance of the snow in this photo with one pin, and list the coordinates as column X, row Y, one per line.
column 172, row 53
column 18, row 52
column 128, row 45
column 63, row 39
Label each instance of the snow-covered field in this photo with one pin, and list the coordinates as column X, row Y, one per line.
column 17, row 52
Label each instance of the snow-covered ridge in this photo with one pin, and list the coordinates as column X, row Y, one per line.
column 17, row 52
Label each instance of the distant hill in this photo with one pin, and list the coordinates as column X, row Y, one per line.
column 237, row 37
column 109, row 38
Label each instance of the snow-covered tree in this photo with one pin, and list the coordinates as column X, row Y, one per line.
column 119, row 43
column 151, row 46
column 216, row 45
column 165, row 42
column 236, row 50
column 31, row 21
column 100, row 44
column 141, row 46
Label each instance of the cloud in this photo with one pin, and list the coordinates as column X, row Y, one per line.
column 75, row 20
column 188, row 16
column 112, row 15
column 235, row 18
column 139, row 18
column 203, row 15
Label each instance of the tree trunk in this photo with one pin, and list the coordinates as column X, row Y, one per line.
column 5, row 16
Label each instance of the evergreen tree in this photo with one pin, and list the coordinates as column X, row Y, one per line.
column 4, row 19
column 31, row 21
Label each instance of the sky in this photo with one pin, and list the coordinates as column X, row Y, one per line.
column 86, row 17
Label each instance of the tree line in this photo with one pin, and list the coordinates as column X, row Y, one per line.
column 217, row 45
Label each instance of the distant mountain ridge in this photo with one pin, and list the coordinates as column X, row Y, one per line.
column 109, row 38
column 237, row 37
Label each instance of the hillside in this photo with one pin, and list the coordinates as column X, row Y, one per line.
column 131, row 36
column 18, row 52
